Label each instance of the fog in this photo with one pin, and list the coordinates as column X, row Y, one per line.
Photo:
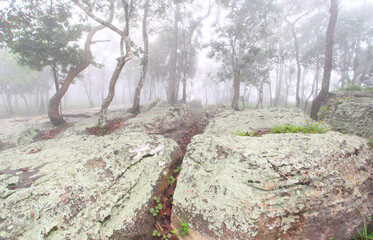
column 268, row 46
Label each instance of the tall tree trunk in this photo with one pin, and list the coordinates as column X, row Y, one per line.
column 296, row 46
column 42, row 102
column 323, row 95
column 136, row 103
column 54, row 102
column 236, row 91
column 270, row 94
column 26, row 103
column 171, row 92
column 279, row 73
column 102, row 121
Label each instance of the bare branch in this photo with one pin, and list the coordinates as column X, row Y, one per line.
column 97, row 19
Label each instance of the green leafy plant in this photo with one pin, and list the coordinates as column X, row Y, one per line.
column 156, row 233
column 157, row 207
column 171, row 180
column 183, row 229
column 178, row 169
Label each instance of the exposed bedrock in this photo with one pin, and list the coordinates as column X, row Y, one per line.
column 277, row 186
column 80, row 186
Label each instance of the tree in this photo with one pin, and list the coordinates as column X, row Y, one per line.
column 323, row 94
column 189, row 27
column 292, row 13
column 42, row 35
column 126, row 53
column 239, row 39
column 14, row 81
column 136, row 103
column 353, row 45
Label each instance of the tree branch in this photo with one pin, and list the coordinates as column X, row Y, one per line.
column 97, row 19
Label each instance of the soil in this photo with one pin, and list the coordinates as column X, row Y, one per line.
column 182, row 136
column 109, row 128
column 49, row 134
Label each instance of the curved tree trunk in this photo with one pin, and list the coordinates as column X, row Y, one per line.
column 102, row 121
column 125, row 41
column 54, row 103
column 136, row 103
column 323, row 95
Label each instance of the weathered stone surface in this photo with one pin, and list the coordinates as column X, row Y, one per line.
column 161, row 119
column 350, row 112
column 81, row 186
column 278, row 186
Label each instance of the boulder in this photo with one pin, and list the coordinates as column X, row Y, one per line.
column 276, row 186
column 350, row 112
column 80, row 186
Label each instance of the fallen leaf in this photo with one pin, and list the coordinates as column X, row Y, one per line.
column 34, row 150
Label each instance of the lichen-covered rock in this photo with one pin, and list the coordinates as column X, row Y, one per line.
column 350, row 112
column 277, row 186
column 80, row 186
column 161, row 119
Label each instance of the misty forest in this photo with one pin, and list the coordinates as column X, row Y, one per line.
column 186, row 119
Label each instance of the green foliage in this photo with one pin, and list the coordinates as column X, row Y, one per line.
column 308, row 128
column 183, row 229
column 178, row 169
column 364, row 235
column 157, row 207
column 156, row 233
column 251, row 134
column 371, row 143
column 171, row 180
column 42, row 36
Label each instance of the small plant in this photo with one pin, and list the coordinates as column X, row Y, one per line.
column 156, row 233
column 164, row 236
column 250, row 134
column 157, row 207
column 177, row 169
column 171, row 180
column 371, row 143
column 183, row 229
column 364, row 235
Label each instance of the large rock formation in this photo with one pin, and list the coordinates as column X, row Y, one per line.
column 80, row 186
column 277, row 186
column 350, row 112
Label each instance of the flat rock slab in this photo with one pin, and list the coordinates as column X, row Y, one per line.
column 80, row 186
column 277, row 186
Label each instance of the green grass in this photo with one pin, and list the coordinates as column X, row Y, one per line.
column 362, row 235
column 287, row 128
column 311, row 127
